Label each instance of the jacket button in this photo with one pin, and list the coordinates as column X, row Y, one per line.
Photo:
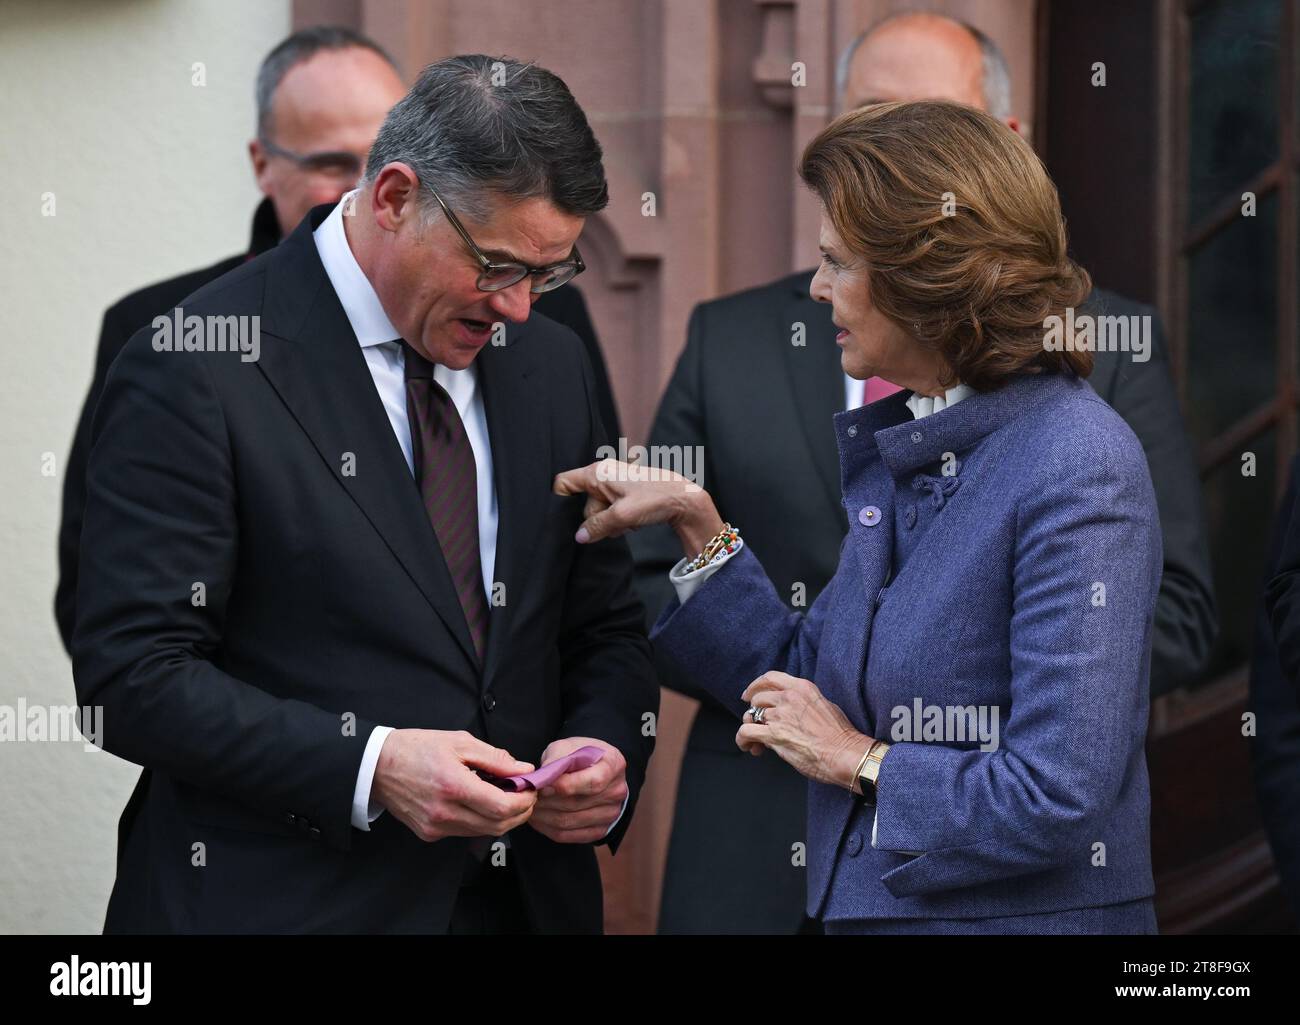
column 852, row 432
column 916, row 437
column 489, row 701
column 290, row 818
column 854, row 845
column 869, row 516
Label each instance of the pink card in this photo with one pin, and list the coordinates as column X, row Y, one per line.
column 583, row 758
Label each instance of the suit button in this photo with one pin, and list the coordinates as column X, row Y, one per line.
column 852, row 432
column 290, row 818
column 854, row 845
column 869, row 516
column 916, row 437
column 489, row 701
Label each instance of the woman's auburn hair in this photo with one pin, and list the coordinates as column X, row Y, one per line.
column 961, row 232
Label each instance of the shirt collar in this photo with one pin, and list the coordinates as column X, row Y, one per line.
column 927, row 405
column 365, row 313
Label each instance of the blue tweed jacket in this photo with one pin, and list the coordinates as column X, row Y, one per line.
column 1020, row 584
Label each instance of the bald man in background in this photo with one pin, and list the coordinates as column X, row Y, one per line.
column 322, row 94
column 924, row 56
column 770, row 457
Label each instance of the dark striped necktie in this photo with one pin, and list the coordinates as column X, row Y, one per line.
column 448, row 480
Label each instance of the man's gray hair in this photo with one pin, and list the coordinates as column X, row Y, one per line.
column 300, row 47
column 475, row 126
column 995, row 80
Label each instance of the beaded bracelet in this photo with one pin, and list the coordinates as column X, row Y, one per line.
column 722, row 544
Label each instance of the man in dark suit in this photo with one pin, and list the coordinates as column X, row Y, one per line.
column 734, row 861
column 322, row 94
column 325, row 586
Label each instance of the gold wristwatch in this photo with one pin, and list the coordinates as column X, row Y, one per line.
column 869, row 770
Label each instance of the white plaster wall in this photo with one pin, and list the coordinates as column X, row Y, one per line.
column 150, row 178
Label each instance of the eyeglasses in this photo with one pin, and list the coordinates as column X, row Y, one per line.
column 496, row 276
column 340, row 165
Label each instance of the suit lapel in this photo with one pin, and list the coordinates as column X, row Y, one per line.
column 815, row 377
column 519, row 430
column 322, row 377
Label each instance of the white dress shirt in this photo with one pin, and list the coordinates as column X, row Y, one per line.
column 686, row 584
column 920, row 405
column 381, row 345
column 852, row 392
column 926, row 405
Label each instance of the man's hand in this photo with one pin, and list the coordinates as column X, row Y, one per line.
column 579, row 807
column 426, row 778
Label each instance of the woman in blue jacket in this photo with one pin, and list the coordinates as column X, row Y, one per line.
column 968, row 697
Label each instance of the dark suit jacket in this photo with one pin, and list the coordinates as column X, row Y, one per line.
column 1282, row 601
column 1275, row 753
column 329, row 610
column 129, row 314
column 772, row 468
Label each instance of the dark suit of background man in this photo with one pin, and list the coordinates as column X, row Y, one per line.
column 770, row 454
column 1275, row 700
column 322, row 589
column 1282, row 601
column 322, row 94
